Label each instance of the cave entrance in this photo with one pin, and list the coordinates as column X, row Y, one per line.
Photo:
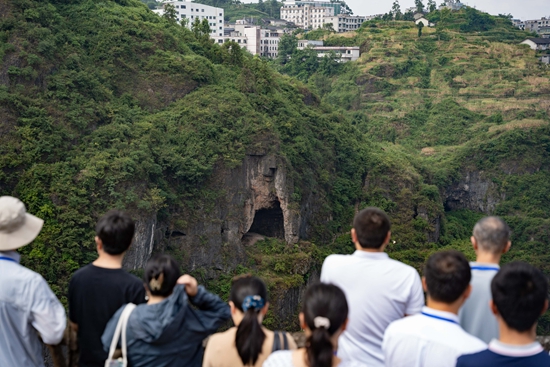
column 269, row 222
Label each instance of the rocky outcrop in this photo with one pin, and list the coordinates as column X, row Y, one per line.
column 252, row 201
column 474, row 191
column 146, row 235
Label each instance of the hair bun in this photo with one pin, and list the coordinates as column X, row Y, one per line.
column 321, row 322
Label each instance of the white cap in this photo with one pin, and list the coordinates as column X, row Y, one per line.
column 17, row 227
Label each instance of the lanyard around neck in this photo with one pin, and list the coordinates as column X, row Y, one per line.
column 484, row 268
column 438, row 317
column 7, row 259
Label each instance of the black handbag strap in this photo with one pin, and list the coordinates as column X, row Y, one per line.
column 277, row 341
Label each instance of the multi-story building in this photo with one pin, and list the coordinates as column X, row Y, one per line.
column 253, row 38
column 345, row 23
column 540, row 26
column 308, row 14
column 269, row 42
column 192, row 11
column 342, row 54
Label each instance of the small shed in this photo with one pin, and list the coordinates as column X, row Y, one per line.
column 424, row 21
column 539, row 44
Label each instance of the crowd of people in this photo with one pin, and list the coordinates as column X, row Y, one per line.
column 367, row 310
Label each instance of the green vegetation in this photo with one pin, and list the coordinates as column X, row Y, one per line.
column 463, row 99
column 104, row 104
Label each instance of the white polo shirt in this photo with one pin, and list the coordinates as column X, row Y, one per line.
column 379, row 290
column 430, row 339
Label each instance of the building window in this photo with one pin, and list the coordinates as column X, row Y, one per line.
column 184, row 7
column 202, row 10
column 221, row 14
column 220, row 41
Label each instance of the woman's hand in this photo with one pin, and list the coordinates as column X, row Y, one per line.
column 190, row 283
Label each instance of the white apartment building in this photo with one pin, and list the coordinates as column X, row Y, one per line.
column 532, row 25
column 307, row 15
column 345, row 23
column 343, row 54
column 253, row 38
column 192, row 11
column 269, row 42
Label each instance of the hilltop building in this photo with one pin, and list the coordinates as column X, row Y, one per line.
column 343, row 54
column 344, row 22
column 540, row 26
column 192, row 11
column 452, row 4
column 308, row 14
column 262, row 41
column 538, row 44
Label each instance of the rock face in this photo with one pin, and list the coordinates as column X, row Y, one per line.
column 252, row 201
column 474, row 191
column 145, row 237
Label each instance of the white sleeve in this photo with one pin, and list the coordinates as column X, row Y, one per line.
column 282, row 358
column 47, row 314
column 416, row 296
column 325, row 271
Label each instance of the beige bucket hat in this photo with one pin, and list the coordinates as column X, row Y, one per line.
column 17, row 227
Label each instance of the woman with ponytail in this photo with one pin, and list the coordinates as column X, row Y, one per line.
column 248, row 343
column 324, row 317
column 167, row 331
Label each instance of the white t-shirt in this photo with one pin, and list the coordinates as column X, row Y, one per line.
column 283, row 358
column 379, row 290
column 431, row 339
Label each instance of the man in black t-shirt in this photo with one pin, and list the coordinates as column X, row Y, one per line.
column 99, row 289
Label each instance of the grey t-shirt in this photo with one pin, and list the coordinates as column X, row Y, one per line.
column 476, row 316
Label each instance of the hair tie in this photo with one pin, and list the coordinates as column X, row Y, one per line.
column 321, row 322
column 255, row 302
column 156, row 284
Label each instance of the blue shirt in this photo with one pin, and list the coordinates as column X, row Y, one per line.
column 503, row 355
column 170, row 333
column 27, row 306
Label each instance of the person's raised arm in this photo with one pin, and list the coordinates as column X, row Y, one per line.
column 213, row 311
column 47, row 314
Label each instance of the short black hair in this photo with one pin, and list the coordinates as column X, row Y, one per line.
column 116, row 231
column 161, row 275
column 371, row 227
column 492, row 234
column 519, row 293
column 448, row 274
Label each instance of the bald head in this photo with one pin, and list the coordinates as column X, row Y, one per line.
column 492, row 234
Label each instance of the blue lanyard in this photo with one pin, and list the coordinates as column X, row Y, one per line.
column 7, row 258
column 439, row 318
column 484, row 268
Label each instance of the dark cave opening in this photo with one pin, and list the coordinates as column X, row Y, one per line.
column 269, row 222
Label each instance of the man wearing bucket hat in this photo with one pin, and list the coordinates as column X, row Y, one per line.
column 28, row 306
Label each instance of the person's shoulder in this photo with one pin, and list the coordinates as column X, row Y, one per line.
column 472, row 343
column 220, row 337
column 403, row 325
column 336, row 259
column 401, row 266
column 475, row 359
column 82, row 273
column 350, row 363
column 281, row 358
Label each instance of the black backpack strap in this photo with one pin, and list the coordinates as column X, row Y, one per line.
column 285, row 341
column 276, row 341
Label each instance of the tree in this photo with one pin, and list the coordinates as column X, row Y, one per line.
column 420, row 26
column 396, row 10
column 432, row 6
column 408, row 16
column 419, row 6
column 201, row 29
column 170, row 13
column 287, row 46
column 329, row 27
